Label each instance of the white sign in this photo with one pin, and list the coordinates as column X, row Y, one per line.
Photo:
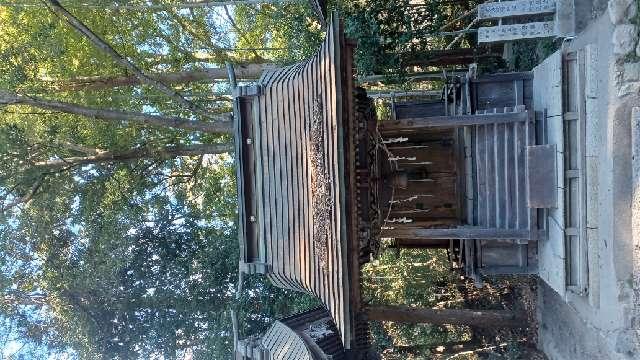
column 516, row 31
column 500, row 9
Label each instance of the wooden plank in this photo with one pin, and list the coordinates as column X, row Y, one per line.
column 321, row 275
column 511, row 174
column 291, row 204
column 415, row 315
column 268, row 150
column 501, row 178
column 240, row 180
column 481, row 177
column 471, row 232
column 491, row 171
column 307, row 99
column 413, row 124
column 531, row 140
column 493, row 10
column 338, row 159
column 260, row 196
column 288, row 244
column 327, row 105
column 515, row 32
column 520, row 144
column 541, row 171
column 300, row 140
column 278, row 205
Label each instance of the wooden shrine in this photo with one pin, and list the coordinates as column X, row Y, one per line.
column 322, row 184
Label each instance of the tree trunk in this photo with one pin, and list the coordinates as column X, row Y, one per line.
column 221, row 125
column 179, row 5
column 479, row 318
column 248, row 71
column 140, row 153
column 103, row 46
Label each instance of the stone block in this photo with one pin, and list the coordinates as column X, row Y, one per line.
column 556, row 239
column 593, row 139
column 620, row 11
column 629, row 88
column 592, row 182
column 592, row 63
column 632, row 71
column 565, row 18
column 625, row 37
column 593, row 259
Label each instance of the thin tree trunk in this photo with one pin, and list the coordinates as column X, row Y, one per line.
column 181, row 5
column 479, row 318
column 167, row 152
column 249, row 71
column 107, row 49
column 221, row 125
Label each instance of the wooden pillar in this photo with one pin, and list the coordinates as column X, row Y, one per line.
column 414, row 315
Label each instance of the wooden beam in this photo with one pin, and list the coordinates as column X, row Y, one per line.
column 420, row 244
column 461, row 233
column 415, row 315
column 413, row 124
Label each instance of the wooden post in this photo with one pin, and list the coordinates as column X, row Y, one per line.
column 414, row 315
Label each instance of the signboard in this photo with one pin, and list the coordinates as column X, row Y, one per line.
column 500, row 9
column 516, row 31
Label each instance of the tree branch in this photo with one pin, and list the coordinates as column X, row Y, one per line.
column 235, row 26
column 167, row 152
column 98, row 42
column 222, row 125
column 27, row 197
column 248, row 71
column 80, row 148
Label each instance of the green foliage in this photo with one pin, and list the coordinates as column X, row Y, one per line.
column 135, row 259
column 390, row 33
column 288, row 28
column 416, row 278
column 528, row 53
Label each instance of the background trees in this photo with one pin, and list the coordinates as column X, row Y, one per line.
column 118, row 200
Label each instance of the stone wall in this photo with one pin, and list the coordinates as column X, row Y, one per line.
column 624, row 15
